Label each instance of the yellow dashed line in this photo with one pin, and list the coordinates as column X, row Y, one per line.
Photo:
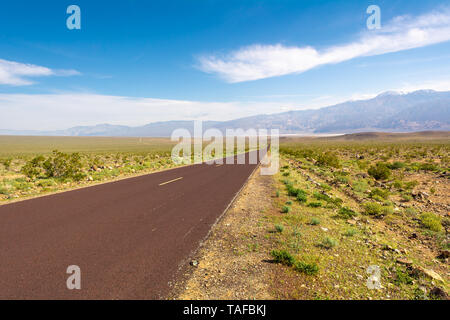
column 161, row 184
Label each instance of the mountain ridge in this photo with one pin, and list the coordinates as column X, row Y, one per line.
column 387, row 112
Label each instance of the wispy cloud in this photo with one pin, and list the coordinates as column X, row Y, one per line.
column 64, row 110
column 60, row 111
column 17, row 74
column 263, row 61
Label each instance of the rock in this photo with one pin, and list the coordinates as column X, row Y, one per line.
column 324, row 229
column 444, row 254
column 439, row 293
column 428, row 273
column 90, row 178
column 194, row 263
column 420, row 195
column 404, row 261
column 352, row 222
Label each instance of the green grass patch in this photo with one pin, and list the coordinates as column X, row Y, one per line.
column 283, row 257
column 307, row 268
column 431, row 221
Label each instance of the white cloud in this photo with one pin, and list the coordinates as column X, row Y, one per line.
column 264, row 61
column 437, row 85
column 61, row 111
column 16, row 73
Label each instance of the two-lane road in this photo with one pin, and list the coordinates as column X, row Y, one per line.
column 128, row 237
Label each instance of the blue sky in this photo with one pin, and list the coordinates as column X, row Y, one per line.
column 135, row 62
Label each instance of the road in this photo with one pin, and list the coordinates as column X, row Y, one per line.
column 128, row 237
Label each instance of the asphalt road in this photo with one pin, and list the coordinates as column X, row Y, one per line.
column 128, row 237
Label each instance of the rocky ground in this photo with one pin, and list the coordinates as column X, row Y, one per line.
column 307, row 233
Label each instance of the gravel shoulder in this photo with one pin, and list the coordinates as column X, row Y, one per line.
column 234, row 261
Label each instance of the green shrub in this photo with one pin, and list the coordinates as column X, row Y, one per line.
column 338, row 178
column 33, row 168
column 360, row 185
column 58, row 165
column 362, row 164
column 387, row 210
column 314, row 222
column 428, row 167
column 283, row 257
column 377, row 210
column 314, row 204
column 411, row 184
column 373, row 208
column 396, row 165
column 62, row 165
column 402, row 277
column 307, row 268
column 398, row 184
column 46, row 183
column 383, row 194
column 292, row 191
column 21, row 185
column 301, row 196
column 321, row 196
column 285, row 209
column 335, row 202
column 431, row 221
column 380, row 171
column 6, row 163
column 350, row 232
column 328, row 243
column 279, row 228
column 411, row 211
column 347, row 213
column 406, row 197
column 325, row 187
column 328, row 159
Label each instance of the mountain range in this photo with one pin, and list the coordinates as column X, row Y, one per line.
column 387, row 112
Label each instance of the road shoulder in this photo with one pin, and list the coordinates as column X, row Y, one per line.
column 232, row 262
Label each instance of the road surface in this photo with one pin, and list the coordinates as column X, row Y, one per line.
column 128, row 237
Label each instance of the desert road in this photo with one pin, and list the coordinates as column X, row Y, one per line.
column 128, row 237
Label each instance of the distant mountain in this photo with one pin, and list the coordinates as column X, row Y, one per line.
column 389, row 111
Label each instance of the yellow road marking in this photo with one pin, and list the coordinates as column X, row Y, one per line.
column 161, row 184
